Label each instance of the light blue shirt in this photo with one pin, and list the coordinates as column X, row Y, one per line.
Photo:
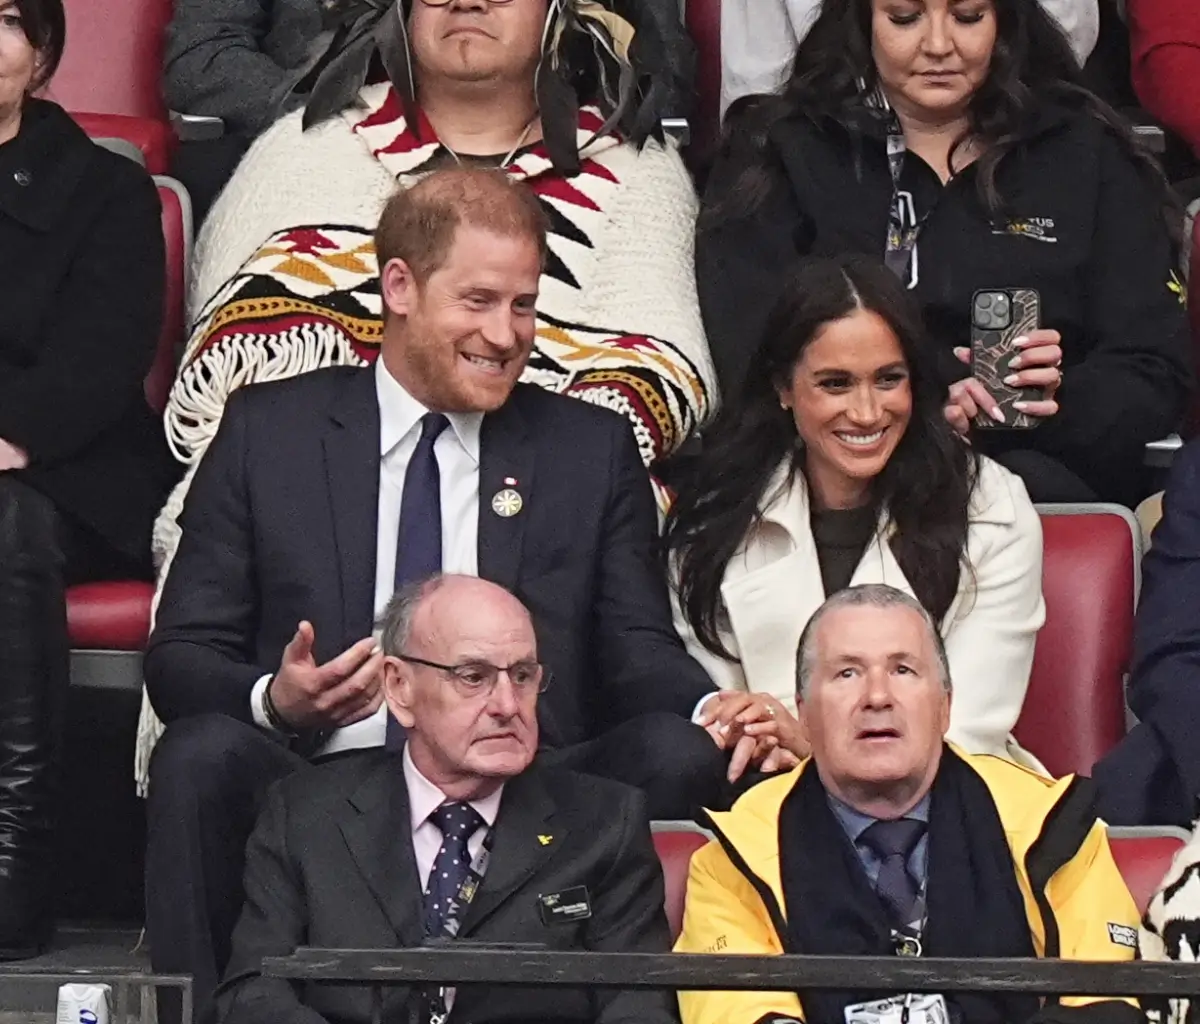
column 855, row 823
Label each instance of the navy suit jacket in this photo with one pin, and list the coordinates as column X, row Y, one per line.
column 280, row 525
column 1153, row 776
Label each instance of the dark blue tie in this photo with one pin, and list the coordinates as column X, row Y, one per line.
column 893, row 842
column 419, row 536
column 458, row 822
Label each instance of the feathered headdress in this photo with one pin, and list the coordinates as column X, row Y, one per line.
column 632, row 58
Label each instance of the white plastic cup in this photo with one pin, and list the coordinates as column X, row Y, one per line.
column 83, row 1004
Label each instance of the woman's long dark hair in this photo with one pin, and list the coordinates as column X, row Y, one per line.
column 834, row 72
column 926, row 486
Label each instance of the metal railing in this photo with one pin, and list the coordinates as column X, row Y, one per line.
column 467, row 963
column 134, row 995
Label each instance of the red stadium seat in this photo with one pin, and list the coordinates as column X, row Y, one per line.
column 113, row 62
column 703, row 19
column 1144, row 855
column 675, row 842
column 1075, row 708
column 151, row 138
column 110, row 78
column 109, row 617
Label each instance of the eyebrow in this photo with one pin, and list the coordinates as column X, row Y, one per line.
column 834, row 371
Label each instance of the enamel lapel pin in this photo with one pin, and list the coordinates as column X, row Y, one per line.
column 508, row 502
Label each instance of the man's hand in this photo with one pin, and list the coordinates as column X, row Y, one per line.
column 12, row 457
column 344, row 690
column 756, row 728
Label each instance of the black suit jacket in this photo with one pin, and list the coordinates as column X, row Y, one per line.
column 81, row 305
column 1152, row 777
column 280, row 525
column 331, row 864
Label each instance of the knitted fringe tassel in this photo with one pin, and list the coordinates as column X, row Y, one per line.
column 199, row 395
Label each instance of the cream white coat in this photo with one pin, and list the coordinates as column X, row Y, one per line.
column 773, row 585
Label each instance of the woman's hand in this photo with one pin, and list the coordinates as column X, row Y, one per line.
column 1037, row 366
column 750, row 726
column 779, row 735
column 12, row 457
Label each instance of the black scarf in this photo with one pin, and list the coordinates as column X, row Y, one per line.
column 975, row 907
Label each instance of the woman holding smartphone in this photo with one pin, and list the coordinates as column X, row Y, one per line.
column 833, row 466
column 952, row 140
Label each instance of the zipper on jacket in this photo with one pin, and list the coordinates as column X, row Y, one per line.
column 764, row 891
column 1063, row 832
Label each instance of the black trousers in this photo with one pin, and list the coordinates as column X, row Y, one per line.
column 41, row 551
column 1045, row 478
column 210, row 773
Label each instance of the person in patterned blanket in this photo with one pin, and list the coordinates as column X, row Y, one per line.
column 566, row 95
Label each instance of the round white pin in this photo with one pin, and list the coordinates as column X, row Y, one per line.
column 507, row 503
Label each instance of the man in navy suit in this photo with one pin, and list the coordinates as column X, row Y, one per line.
column 1153, row 775
column 323, row 494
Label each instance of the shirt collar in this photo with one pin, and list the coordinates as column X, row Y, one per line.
column 399, row 412
column 424, row 797
column 855, row 823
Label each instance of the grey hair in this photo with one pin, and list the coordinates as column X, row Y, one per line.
column 395, row 624
column 875, row 595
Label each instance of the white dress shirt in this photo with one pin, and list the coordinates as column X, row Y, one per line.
column 759, row 39
column 457, row 453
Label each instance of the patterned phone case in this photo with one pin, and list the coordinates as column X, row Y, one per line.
column 992, row 350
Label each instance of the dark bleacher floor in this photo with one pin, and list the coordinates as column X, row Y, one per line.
column 75, row 946
column 99, row 856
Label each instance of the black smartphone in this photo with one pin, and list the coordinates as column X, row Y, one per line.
column 998, row 317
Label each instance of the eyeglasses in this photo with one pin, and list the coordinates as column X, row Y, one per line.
column 446, row 3
column 479, row 678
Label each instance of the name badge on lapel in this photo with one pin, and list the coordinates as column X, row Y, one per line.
column 565, row 907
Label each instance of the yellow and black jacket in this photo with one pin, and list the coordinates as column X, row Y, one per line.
column 1075, row 900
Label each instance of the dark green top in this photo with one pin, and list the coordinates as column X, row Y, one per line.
column 841, row 536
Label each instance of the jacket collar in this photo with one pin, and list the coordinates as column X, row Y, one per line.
column 376, row 823
column 41, row 168
column 786, row 500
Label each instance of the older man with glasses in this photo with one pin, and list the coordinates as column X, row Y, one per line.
column 461, row 835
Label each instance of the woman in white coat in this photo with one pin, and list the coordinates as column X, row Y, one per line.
column 835, row 466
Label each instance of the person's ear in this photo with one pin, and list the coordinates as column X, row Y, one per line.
column 944, row 716
column 399, row 287
column 802, row 718
column 398, row 690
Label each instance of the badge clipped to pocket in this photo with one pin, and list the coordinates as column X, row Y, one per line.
column 909, row 1009
column 565, row 907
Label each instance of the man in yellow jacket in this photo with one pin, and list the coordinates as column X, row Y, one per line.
column 889, row 841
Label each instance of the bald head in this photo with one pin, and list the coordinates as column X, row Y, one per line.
column 461, row 675
column 418, row 224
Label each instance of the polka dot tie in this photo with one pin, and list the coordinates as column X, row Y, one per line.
column 452, row 865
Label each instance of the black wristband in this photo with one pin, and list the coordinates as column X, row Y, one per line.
column 274, row 718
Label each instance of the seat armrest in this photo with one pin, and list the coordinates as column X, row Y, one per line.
column 197, row 127
column 1159, row 454
column 678, row 129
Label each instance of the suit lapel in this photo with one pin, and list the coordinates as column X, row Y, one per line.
column 506, row 463
column 526, row 837
column 351, row 451
column 377, row 827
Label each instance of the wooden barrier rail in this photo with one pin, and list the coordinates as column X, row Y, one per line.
column 467, row 963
